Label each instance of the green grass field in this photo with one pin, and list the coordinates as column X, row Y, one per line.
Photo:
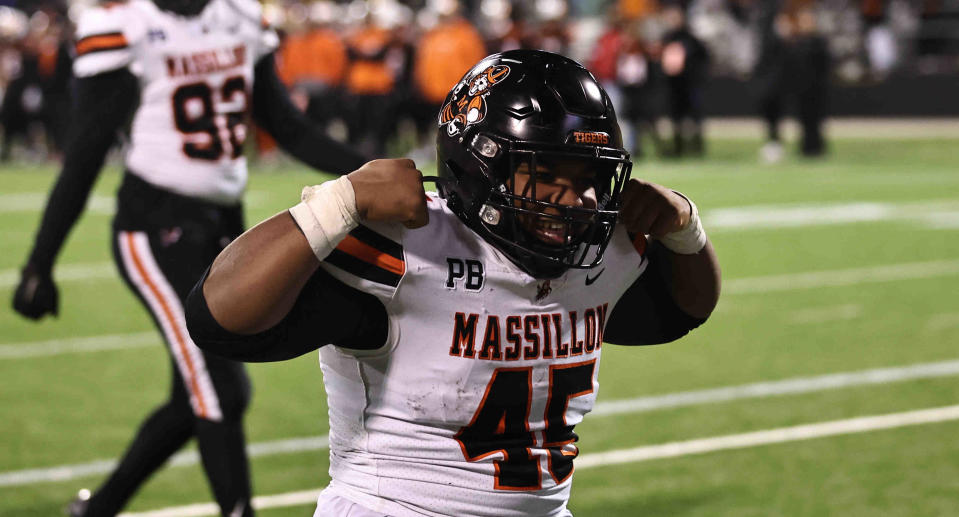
column 834, row 266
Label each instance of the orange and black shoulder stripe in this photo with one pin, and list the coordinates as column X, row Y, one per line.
column 370, row 256
column 101, row 42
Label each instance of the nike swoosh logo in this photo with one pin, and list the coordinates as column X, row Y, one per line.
column 589, row 281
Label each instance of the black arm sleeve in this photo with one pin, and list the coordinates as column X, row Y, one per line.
column 294, row 132
column 326, row 312
column 103, row 105
column 647, row 313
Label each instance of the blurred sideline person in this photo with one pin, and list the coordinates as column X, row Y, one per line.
column 193, row 69
column 772, row 82
column 503, row 26
column 811, row 79
column 793, row 66
column 552, row 33
column 637, row 76
column 369, row 84
column 460, row 334
column 36, row 100
column 605, row 58
column 685, row 62
column 313, row 62
column 442, row 56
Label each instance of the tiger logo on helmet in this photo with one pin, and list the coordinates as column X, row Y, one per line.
column 463, row 111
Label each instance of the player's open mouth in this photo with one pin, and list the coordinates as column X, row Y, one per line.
column 549, row 230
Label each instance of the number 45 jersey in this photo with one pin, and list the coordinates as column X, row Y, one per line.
column 469, row 408
column 195, row 76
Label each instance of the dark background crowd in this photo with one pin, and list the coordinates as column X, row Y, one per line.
column 375, row 72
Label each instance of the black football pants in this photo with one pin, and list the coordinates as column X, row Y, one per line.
column 162, row 244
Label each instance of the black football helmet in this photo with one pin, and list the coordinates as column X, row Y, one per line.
column 531, row 107
column 187, row 8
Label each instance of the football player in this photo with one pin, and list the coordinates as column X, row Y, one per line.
column 189, row 72
column 461, row 333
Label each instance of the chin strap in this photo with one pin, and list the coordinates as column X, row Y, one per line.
column 446, row 182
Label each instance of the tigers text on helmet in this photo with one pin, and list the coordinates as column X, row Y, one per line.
column 530, row 110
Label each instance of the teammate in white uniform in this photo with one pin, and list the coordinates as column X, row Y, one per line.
column 190, row 72
column 464, row 330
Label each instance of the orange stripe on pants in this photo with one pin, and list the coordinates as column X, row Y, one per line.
column 171, row 321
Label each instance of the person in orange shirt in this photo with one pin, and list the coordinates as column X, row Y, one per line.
column 369, row 83
column 313, row 63
column 442, row 56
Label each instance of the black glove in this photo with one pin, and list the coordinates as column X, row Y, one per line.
column 36, row 295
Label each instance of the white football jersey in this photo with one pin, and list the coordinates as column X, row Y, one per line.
column 469, row 408
column 196, row 78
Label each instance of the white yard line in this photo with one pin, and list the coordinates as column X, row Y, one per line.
column 648, row 452
column 262, row 502
column 760, row 284
column 749, row 285
column 840, row 277
column 943, row 220
column 770, row 436
column 78, row 345
column 845, row 127
column 180, row 459
column 934, row 213
column 36, row 201
column 791, row 386
column 825, row 314
column 939, row 322
column 9, row 278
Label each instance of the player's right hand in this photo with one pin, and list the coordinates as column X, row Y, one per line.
column 36, row 296
column 390, row 190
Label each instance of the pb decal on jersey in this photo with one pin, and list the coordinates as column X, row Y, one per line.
column 370, row 256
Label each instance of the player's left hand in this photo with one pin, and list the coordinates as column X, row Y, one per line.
column 652, row 209
column 36, row 296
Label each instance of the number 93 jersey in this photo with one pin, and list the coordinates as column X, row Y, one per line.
column 195, row 76
column 469, row 407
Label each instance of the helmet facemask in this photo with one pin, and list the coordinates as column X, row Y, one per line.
column 544, row 237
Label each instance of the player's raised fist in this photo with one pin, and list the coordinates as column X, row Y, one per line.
column 653, row 209
column 390, row 190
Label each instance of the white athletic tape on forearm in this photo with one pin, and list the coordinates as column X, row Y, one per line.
column 326, row 214
column 689, row 240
